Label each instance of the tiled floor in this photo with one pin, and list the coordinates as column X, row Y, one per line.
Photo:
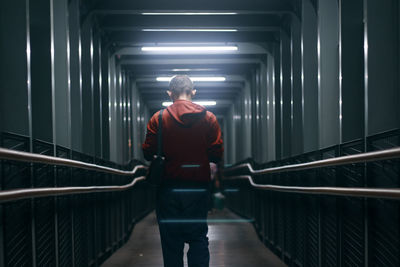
column 233, row 243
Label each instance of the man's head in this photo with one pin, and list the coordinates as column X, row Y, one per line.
column 181, row 87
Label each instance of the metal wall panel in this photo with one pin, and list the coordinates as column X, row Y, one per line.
column 13, row 67
column 264, row 122
column 297, row 93
column 310, row 76
column 96, row 94
column 87, row 88
column 277, row 100
column 286, row 96
column 42, row 123
column 112, row 108
column 76, row 75
column 60, row 70
column 247, row 121
column 270, row 109
column 328, row 23
column 105, row 103
column 352, row 63
column 383, row 65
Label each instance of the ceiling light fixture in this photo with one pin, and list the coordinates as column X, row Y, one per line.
column 190, row 30
column 188, row 13
column 187, row 70
column 203, row 103
column 195, row 79
column 183, row 49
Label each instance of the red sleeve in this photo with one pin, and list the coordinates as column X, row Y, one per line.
column 215, row 148
column 149, row 146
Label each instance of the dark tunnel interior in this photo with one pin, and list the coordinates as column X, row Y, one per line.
column 299, row 88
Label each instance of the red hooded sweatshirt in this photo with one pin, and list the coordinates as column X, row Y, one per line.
column 191, row 139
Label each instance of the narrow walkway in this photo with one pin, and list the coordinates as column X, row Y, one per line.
column 231, row 244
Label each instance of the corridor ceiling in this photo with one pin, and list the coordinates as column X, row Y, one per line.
column 127, row 26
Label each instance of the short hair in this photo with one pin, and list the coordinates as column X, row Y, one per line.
column 181, row 84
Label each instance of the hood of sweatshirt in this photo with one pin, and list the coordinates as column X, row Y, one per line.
column 186, row 112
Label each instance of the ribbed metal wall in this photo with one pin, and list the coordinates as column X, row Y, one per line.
column 309, row 230
column 76, row 230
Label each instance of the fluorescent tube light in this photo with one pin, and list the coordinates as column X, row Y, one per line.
column 195, row 79
column 203, row 103
column 188, row 13
column 207, row 69
column 189, row 48
column 190, row 30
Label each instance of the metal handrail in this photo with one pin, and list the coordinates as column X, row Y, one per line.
column 351, row 159
column 387, row 193
column 17, row 194
column 9, row 154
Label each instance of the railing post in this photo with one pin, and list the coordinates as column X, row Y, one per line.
column 72, row 234
column 94, row 207
column 339, row 213
column 366, row 211
column 284, row 223
column 2, row 245
column 319, row 235
column 55, row 203
column 32, row 216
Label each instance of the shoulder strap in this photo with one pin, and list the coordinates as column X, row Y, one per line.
column 159, row 135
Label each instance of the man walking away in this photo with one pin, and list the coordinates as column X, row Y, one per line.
column 191, row 140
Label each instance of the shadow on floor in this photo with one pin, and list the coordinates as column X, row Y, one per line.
column 233, row 243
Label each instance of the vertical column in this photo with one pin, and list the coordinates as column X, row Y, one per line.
column 61, row 93
column 112, row 107
column 309, row 75
column 41, row 72
column 230, row 136
column 119, row 118
column 247, row 119
column 297, row 94
column 277, row 100
column 60, row 69
column 264, row 136
column 270, row 109
column 352, row 69
column 255, row 115
column 124, row 150
column 75, row 75
column 135, row 121
column 257, row 140
column 328, row 28
column 97, row 107
column 106, row 102
column 238, row 102
column 286, row 96
column 129, row 115
column 382, row 95
column 382, row 67
column 87, row 88
column 15, row 117
column 14, row 68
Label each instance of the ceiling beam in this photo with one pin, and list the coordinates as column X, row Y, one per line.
column 159, row 29
column 189, row 60
column 272, row 6
column 132, row 38
column 254, row 20
column 236, row 84
column 200, row 89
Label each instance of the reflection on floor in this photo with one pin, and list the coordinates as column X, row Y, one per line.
column 232, row 244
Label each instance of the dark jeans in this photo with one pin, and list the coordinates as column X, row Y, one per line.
column 182, row 214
